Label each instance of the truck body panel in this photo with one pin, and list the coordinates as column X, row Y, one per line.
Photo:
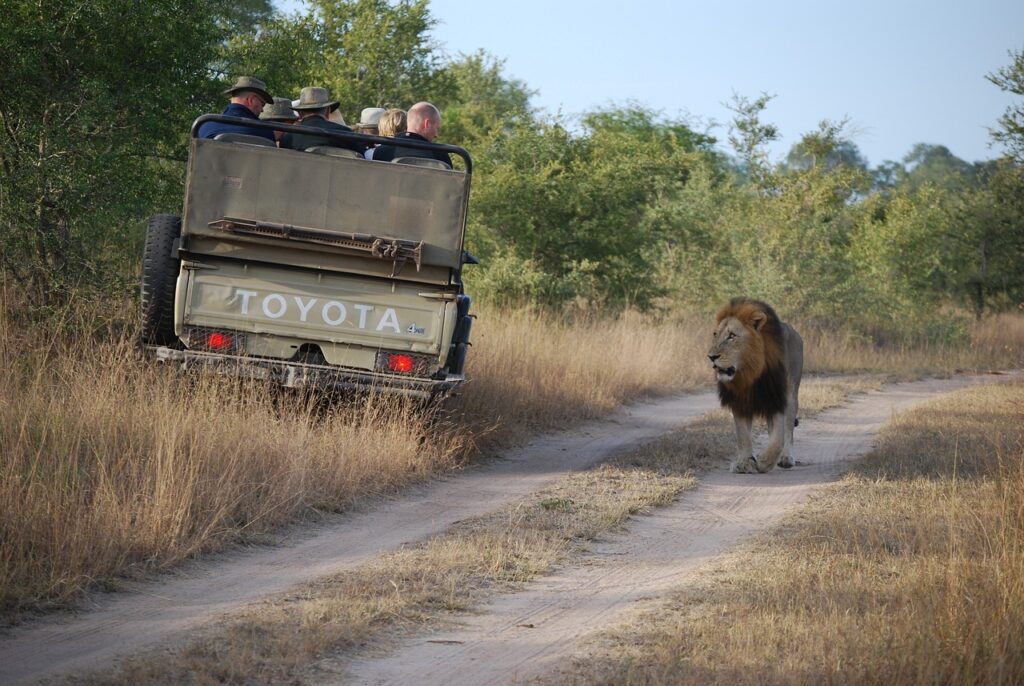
column 329, row 309
column 319, row 269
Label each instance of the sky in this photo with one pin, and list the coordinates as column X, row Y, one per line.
column 902, row 71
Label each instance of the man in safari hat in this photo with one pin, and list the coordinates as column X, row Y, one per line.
column 314, row 107
column 279, row 110
column 248, row 96
column 368, row 120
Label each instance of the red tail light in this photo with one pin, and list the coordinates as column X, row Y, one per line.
column 403, row 364
column 415, row 364
column 219, row 341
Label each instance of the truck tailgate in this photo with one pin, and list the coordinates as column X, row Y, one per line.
column 318, row 307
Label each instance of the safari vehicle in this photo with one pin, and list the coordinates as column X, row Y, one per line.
column 313, row 268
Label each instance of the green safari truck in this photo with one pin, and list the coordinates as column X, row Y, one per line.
column 314, row 268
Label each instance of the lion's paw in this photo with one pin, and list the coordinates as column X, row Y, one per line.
column 747, row 466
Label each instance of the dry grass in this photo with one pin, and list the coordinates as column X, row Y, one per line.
column 112, row 465
column 278, row 640
column 532, row 370
column 909, row 571
column 994, row 343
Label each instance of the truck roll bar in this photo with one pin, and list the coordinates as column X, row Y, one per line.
column 352, row 137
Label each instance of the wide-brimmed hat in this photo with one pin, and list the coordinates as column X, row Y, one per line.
column 370, row 117
column 279, row 110
column 249, row 83
column 314, row 98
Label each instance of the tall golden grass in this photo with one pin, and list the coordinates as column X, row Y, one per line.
column 909, row 571
column 112, row 464
column 534, row 370
column 993, row 343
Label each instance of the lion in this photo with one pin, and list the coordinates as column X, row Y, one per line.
column 758, row 360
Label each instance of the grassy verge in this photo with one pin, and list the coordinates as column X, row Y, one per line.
column 994, row 343
column 112, row 466
column 277, row 640
column 909, row 571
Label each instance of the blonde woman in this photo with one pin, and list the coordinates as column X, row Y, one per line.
column 390, row 124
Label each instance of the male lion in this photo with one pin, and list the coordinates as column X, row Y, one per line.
column 759, row 361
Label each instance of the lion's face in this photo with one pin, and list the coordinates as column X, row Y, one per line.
column 736, row 348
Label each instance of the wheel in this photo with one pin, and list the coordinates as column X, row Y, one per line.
column 159, row 278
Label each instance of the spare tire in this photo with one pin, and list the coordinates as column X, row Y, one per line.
column 160, row 269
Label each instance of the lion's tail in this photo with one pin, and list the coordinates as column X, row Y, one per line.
column 796, row 422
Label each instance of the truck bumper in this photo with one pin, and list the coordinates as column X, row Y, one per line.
column 300, row 375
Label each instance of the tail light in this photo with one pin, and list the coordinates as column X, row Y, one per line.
column 406, row 364
column 403, row 364
column 215, row 340
column 219, row 341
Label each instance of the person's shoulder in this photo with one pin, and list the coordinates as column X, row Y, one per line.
column 335, row 126
column 384, row 152
column 324, row 124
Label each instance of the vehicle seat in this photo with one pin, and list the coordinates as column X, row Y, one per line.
column 422, row 162
column 231, row 137
column 334, row 152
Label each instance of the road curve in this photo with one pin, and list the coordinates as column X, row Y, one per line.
column 525, row 635
column 115, row 625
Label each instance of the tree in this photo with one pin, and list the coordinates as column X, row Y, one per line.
column 992, row 242
column 485, row 101
column 888, row 175
column 937, row 166
column 649, row 127
column 1011, row 125
column 591, row 211
column 245, row 15
column 368, row 53
column 91, row 124
column 826, row 147
column 750, row 137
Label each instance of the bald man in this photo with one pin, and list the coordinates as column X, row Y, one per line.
column 423, row 123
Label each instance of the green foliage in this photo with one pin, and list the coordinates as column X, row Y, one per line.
column 1010, row 131
column 97, row 96
column 588, row 210
column 749, row 136
column 991, row 244
column 485, row 102
column 286, row 53
column 935, row 165
column 368, row 53
column 243, row 16
column 900, row 256
column 622, row 208
column 826, row 147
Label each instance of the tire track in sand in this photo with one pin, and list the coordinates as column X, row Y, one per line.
column 524, row 635
column 162, row 611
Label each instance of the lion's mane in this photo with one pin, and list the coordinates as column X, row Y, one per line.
column 759, row 387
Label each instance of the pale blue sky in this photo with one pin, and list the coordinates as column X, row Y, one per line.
column 903, row 71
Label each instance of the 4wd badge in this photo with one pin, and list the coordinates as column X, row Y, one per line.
column 414, row 329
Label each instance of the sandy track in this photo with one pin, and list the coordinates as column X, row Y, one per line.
column 157, row 613
column 529, row 634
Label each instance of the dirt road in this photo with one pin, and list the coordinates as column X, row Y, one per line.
column 520, row 635
column 152, row 614
column 529, row 634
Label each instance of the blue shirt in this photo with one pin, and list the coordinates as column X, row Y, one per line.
column 234, row 109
